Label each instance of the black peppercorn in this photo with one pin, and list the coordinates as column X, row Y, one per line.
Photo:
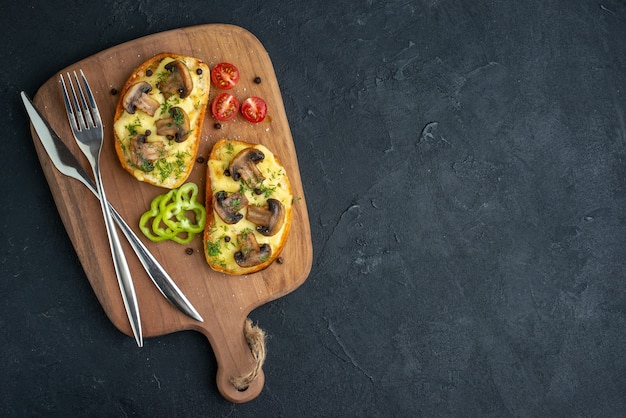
column 148, row 132
column 227, row 173
column 113, row 91
column 200, row 160
column 257, row 80
column 227, row 238
column 217, row 125
column 148, row 73
column 189, row 251
column 199, row 71
column 258, row 191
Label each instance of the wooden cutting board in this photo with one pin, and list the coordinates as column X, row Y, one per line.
column 223, row 301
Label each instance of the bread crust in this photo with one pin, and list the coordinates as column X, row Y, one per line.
column 216, row 230
column 195, row 104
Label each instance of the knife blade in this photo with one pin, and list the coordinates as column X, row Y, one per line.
column 67, row 164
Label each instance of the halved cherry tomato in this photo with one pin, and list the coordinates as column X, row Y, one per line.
column 254, row 109
column 225, row 75
column 225, row 106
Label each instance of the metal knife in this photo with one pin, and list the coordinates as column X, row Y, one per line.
column 67, row 164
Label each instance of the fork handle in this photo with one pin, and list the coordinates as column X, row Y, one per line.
column 119, row 261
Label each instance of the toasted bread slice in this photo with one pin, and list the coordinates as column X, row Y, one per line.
column 158, row 119
column 249, row 207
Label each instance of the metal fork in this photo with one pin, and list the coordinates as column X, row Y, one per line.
column 86, row 124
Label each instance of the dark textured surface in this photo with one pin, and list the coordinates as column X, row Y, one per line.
column 465, row 169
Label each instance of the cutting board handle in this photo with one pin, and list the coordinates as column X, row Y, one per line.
column 240, row 360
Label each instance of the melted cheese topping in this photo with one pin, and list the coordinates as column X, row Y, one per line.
column 175, row 158
column 221, row 250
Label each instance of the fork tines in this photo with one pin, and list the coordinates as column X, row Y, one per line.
column 83, row 115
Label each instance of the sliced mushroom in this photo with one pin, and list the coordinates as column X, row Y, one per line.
column 143, row 153
column 178, row 81
column 176, row 126
column 251, row 253
column 268, row 219
column 243, row 166
column 137, row 97
column 227, row 206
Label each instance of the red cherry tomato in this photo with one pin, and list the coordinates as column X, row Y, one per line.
column 225, row 75
column 254, row 109
column 225, row 106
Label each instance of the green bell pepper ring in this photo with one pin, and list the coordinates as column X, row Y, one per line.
column 154, row 213
column 168, row 213
column 184, row 201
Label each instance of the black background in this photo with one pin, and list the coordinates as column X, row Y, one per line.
column 464, row 164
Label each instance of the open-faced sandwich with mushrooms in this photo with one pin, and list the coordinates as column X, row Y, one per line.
column 159, row 116
column 249, row 207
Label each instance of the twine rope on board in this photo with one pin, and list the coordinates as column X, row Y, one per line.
column 255, row 337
